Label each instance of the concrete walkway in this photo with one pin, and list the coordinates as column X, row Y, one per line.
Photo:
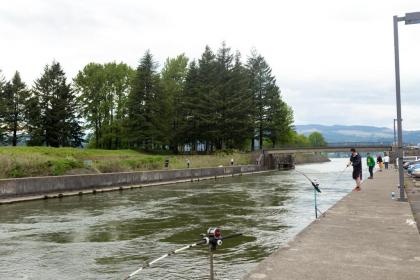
column 366, row 235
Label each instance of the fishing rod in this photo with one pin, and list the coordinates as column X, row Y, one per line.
column 339, row 174
column 314, row 182
column 213, row 239
column 315, row 185
column 148, row 264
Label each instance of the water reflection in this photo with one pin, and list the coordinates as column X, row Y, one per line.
column 107, row 235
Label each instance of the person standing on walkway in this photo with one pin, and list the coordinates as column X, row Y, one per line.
column 371, row 164
column 379, row 162
column 356, row 162
column 386, row 161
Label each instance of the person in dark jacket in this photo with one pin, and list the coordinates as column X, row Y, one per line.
column 356, row 162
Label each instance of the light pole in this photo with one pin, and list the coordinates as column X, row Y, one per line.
column 395, row 134
column 409, row 18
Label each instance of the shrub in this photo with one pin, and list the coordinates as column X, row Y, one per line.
column 60, row 166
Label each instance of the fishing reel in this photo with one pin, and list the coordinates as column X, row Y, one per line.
column 213, row 238
column 315, row 184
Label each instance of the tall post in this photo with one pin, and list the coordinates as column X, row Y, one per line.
column 395, row 134
column 211, row 264
column 398, row 99
column 316, row 206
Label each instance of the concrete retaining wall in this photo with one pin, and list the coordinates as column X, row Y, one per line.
column 55, row 184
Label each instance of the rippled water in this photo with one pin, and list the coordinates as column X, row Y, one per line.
column 108, row 235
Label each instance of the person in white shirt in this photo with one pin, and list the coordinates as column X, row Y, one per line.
column 386, row 161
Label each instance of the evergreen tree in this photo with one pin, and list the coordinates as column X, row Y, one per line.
column 144, row 106
column 2, row 107
column 239, row 107
column 174, row 75
column 273, row 118
column 15, row 96
column 222, row 95
column 206, row 113
column 58, row 108
column 189, row 133
column 34, row 123
column 279, row 119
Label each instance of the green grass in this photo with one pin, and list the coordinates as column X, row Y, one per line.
column 17, row 162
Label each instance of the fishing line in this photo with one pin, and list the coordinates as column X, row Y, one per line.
column 339, row 175
column 314, row 182
column 148, row 264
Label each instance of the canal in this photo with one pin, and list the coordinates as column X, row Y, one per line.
column 108, row 235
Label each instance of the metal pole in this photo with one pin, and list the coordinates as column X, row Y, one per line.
column 395, row 134
column 316, row 207
column 211, row 264
column 398, row 99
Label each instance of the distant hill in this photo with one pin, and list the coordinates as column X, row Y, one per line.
column 358, row 133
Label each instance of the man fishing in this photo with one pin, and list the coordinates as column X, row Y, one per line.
column 356, row 162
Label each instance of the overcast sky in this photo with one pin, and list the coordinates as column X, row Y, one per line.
column 333, row 59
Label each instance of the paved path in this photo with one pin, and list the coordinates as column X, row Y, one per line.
column 366, row 235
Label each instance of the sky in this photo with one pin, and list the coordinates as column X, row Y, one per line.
column 333, row 60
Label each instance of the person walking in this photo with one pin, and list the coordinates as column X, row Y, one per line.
column 379, row 162
column 386, row 161
column 356, row 162
column 371, row 164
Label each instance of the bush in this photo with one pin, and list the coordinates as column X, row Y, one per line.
column 148, row 163
column 16, row 171
column 61, row 166
column 110, row 166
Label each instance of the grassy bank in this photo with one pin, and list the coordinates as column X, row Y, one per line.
column 17, row 162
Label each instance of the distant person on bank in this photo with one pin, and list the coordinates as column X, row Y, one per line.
column 386, row 161
column 379, row 162
column 371, row 164
column 356, row 162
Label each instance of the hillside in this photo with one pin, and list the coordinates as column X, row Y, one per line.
column 16, row 162
column 358, row 133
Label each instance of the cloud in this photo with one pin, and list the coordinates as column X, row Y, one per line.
column 333, row 60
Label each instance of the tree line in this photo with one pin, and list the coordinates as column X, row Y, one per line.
column 212, row 103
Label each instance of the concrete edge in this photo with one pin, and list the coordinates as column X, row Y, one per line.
column 11, row 200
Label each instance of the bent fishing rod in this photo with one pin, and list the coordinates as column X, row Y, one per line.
column 314, row 182
column 315, row 185
column 213, row 239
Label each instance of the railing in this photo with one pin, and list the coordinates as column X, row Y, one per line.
column 336, row 144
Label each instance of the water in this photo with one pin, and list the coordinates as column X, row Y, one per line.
column 108, row 235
